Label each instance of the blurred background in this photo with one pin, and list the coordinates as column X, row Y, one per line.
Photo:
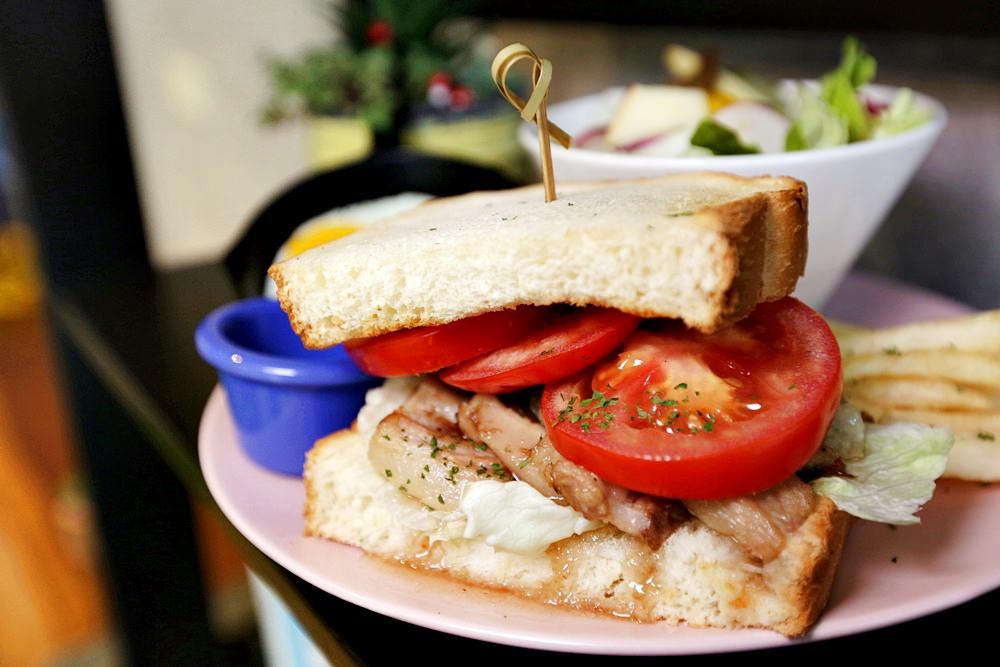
column 137, row 141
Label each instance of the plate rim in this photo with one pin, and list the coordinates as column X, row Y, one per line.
column 677, row 640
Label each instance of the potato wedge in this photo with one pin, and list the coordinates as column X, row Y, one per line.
column 973, row 458
column 917, row 393
column 979, row 333
column 970, row 368
column 844, row 329
column 944, row 373
column 986, row 422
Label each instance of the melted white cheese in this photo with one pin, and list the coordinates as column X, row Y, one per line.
column 381, row 401
column 513, row 516
column 510, row 516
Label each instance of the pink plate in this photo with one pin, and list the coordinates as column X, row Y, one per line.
column 887, row 575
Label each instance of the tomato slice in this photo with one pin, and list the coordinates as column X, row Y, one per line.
column 568, row 345
column 426, row 349
column 687, row 415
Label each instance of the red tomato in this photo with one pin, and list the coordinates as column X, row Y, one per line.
column 426, row 349
column 568, row 345
column 687, row 415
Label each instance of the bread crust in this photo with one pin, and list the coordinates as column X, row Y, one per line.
column 786, row 595
column 787, row 239
column 756, row 238
column 811, row 592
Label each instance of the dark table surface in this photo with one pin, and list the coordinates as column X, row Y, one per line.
column 137, row 337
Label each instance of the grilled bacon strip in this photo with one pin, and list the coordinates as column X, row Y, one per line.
column 759, row 522
column 437, row 440
column 420, row 448
column 522, row 445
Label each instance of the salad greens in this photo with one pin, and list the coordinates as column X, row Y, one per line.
column 889, row 471
column 902, row 115
column 719, row 139
column 816, row 124
column 840, row 88
column 838, row 113
column 792, row 116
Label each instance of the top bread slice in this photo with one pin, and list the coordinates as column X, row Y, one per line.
column 705, row 248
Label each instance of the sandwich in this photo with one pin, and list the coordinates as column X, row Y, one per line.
column 607, row 402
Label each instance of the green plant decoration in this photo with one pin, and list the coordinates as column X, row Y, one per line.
column 389, row 57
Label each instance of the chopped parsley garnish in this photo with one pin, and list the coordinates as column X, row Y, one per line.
column 388, row 473
column 434, row 447
column 568, row 410
column 598, row 412
column 892, row 351
column 983, row 435
column 440, row 499
column 481, row 447
column 655, row 417
column 668, row 402
column 602, row 400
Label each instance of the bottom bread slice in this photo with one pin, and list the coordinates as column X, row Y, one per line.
column 697, row 576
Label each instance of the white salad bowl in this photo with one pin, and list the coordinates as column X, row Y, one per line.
column 851, row 187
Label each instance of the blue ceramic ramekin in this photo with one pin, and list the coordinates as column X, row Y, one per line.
column 283, row 397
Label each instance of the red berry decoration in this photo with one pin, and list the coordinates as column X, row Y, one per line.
column 461, row 98
column 379, row 32
column 439, row 79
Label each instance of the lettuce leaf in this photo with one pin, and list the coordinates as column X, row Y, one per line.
column 720, row 139
column 903, row 114
column 894, row 478
column 814, row 123
column 836, row 114
column 857, row 67
column 844, row 441
column 840, row 88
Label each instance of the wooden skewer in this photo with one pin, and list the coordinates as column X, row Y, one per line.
column 545, row 150
column 533, row 108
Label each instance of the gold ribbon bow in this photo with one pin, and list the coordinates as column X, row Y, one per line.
column 532, row 109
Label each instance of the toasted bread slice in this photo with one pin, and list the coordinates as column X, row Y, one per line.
column 696, row 577
column 704, row 248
